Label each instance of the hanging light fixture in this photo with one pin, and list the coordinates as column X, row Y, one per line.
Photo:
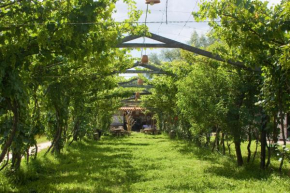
column 144, row 59
column 152, row 2
column 137, row 96
column 140, row 81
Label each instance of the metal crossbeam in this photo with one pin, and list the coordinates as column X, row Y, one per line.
column 145, row 92
column 148, row 66
column 129, row 101
column 168, row 43
column 138, row 45
column 143, row 71
column 128, row 82
column 154, row 70
column 137, row 86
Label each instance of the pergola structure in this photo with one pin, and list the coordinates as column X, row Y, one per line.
column 133, row 84
column 131, row 103
column 151, row 69
column 168, row 43
column 164, row 43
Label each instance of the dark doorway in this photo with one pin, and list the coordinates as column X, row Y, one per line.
column 137, row 126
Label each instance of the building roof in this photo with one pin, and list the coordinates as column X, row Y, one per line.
column 117, row 124
column 132, row 109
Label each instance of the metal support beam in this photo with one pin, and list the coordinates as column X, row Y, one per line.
column 127, row 82
column 137, row 86
column 149, row 93
column 142, row 71
column 168, row 43
column 145, row 92
column 138, row 45
column 131, row 102
column 148, row 66
column 154, row 70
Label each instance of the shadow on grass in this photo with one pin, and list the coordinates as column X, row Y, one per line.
column 224, row 165
column 99, row 169
column 239, row 173
column 126, row 143
column 125, row 165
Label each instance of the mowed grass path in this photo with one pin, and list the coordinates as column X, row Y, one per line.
column 143, row 163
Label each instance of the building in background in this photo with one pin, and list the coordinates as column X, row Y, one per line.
column 138, row 114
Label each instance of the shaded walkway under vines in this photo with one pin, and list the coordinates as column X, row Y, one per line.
column 142, row 163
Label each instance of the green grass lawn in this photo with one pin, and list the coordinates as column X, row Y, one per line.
column 142, row 163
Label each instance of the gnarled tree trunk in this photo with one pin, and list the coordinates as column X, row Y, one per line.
column 263, row 141
column 7, row 144
column 223, row 143
column 240, row 160
column 249, row 145
column 16, row 160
